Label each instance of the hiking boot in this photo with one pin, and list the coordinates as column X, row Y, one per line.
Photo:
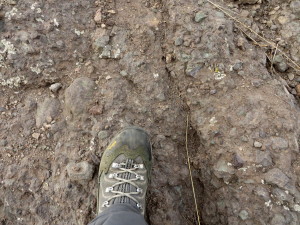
column 124, row 172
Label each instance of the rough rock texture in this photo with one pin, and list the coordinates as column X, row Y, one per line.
column 47, row 111
column 80, row 171
column 153, row 64
column 78, row 96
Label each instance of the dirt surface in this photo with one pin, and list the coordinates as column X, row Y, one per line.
column 73, row 73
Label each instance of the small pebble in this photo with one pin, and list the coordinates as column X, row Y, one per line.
column 241, row 43
column 178, row 41
column 161, row 97
column 297, row 208
column 243, row 214
column 213, row 91
column 244, row 139
column 90, row 69
column 111, row 11
column 102, row 134
column 36, row 135
column 283, row 19
column 238, row 65
column 168, row 58
column 3, row 143
column 200, row 16
column 96, row 110
column 262, row 134
column 123, row 73
column 98, row 16
column 106, row 53
column 49, row 119
column 280, row 64
column 257, row 144
column 238, row 162
column 55, row 87
column 257, row 82
column 291, row 76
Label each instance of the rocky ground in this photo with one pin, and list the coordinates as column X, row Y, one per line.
column 73, row 73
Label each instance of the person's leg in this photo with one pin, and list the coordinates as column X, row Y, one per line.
column 124, row 214
column 124, row 175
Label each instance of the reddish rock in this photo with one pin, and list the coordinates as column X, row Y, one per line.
column 98, row 16
column 96, row 110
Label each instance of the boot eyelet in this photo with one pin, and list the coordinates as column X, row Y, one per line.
column 113, row 175
column 105, row 204
column 115, row 165
column 138, row 166
column 109, row 189
column 139, row 177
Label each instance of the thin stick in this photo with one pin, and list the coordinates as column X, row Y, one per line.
column 252, row 39
column 272, row 62
column 254, row 32
column 275, row 53
column 189, row 165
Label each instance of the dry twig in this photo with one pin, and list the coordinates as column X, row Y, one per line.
column 272, row 62
column 190, row 170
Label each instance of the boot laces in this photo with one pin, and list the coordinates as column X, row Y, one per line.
column 134, row 176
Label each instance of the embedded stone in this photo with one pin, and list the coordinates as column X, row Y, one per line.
column 80, row 171
column 222, row 169
column 277, row 177
column 244, row 215
column 279, row 143
column 200, row 16
column 78, row 96
column 48, row 108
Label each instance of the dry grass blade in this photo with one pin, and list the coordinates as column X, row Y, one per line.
column 272, row 62
column 190, row 170
column 275, row 53
column 252, row 39
column 294, row 65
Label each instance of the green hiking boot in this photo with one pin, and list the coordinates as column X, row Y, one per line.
column 124, row 172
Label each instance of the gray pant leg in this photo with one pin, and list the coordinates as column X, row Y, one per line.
column 119, row 214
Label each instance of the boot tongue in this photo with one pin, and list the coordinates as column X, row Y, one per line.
column 126, row 187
